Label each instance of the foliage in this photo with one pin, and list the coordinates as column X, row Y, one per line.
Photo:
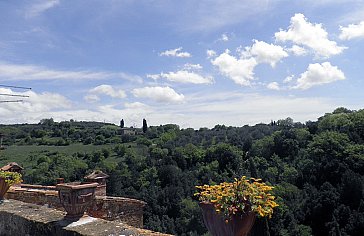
column 317, row 168
column 11, row 178
column 241, row 196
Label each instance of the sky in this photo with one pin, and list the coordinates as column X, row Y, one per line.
column 191, row 63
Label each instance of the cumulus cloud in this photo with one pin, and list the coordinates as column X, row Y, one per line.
column 46, row 101
column 273, row 86
column 313, row 36
column 108, row 90
column 238, row 70
column 9, row 72
column 265, row 52
column 175, row 53
column 318, row 74
column 40, row 6
column 210, row 53
column 352, row 31
column 297, row 50
column 36, row 101
column 159, row 94
column 183, row 76
column 33, row 106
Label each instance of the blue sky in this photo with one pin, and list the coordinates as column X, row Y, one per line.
column 192, row 63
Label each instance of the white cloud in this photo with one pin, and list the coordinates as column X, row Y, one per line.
column 35, row 102
column 288, row 79
column 154, row 76
column 297, row 50
column 46, row 101
column 10, row 72
column 229, row 108
column 238, row 70
column 313, row 36
column 105, row 89
column 35, row 105
column 159, row 94
column 135, row 105
column 224, row 37
column 273, row 86
column 175, row 53
column 210, row 53
column 91, row 98
column 189, row 66
column 352, row 31
column 39, row 7
column 183, row 76
column 265, row 53
column 318, row 74
column 238, row 109
column 241, row 70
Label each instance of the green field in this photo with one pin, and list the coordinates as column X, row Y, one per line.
column 22, row 154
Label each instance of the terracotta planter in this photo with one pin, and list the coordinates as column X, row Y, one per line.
column 4, row 187
column 76, row 198
column 239, row 225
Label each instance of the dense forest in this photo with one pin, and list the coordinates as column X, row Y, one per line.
column 317, row 167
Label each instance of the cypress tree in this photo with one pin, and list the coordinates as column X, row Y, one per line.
column 145, row 126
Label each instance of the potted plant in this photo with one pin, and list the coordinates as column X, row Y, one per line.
column 229, row 209
column 7, row 179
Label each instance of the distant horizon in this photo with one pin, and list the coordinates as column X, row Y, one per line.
column 181, row 127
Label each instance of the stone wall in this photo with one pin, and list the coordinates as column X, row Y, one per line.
column 35, row 195
column 126, row 210
column 19, row 218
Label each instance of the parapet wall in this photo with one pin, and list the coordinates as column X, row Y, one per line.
column 126, row 210
column 19, row 218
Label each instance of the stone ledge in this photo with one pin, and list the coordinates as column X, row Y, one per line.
column 129, row 211
column 20, row 218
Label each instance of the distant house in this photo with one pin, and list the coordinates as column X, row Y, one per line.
column 12, row 167
column 129, row 131
column 99, row 177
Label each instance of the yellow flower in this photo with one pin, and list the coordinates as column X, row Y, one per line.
column 230, row 198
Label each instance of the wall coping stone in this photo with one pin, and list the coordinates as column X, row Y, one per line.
column 20, row 218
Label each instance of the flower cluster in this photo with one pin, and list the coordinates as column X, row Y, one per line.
column 11, row 177
column 241, row 196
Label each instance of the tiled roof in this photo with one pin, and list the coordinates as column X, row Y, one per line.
column 97, row 174
column 11, row 165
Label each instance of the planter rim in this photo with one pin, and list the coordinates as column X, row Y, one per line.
column 76, row 186
column 211, row 205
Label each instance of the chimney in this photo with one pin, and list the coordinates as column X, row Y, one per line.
column 60, row 180
column 99, row 177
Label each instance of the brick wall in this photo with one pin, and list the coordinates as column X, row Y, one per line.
column 125, row 210
column 35, row 195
